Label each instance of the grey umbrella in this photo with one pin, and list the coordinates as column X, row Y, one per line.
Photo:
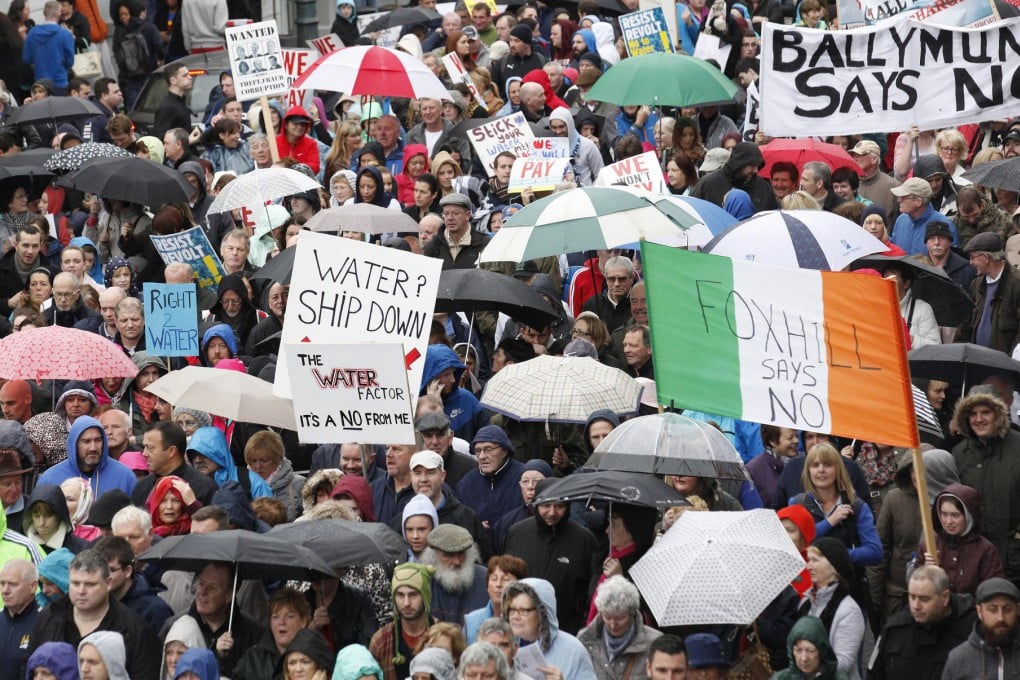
column 1004, row 174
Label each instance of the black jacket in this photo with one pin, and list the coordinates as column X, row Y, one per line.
column 203, row 486
column 467, row 258
column 173, row 112
column 613, row 316
column 10, row 281
column 246, row 632
column 713, row 186
column 68, row 319
column 453, row 512
column 351, row 616
column 908, row 649
column 143, row 599
column 56, row 624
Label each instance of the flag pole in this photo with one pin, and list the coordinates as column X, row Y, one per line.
column 921, row 480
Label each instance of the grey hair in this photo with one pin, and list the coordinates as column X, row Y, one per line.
column 620, row 262
column 90, row 561
column 495, row 625
column 480, row 654
column 997, row 256
column 617, row 595
column 131, row 513
column 820, row 171
column 936, row 575
column 26, row 569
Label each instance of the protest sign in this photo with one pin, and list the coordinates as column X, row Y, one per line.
column 387, row 37
column 351, row 291
column 645, row 32
column 537, row 174
column 791, row 347
column 960, row 13
column 171, row 319
column 350, row 393
column 255, row 60
column 458, row 74
column 549, row 147
column 509, row 133
column 327, row 44
column 296, row 62
column 191, row 247
column 752, row 119
column 889, row 77
column 641, row 171
column 669, row 10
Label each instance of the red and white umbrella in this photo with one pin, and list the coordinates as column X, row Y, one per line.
column 371, row 70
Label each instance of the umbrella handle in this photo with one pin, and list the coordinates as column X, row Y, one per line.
column 233, row 595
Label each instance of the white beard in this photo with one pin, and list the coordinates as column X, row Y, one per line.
column 452, row 580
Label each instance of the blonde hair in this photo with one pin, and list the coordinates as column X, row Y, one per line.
column 800, row 200
column 953, row 138
column 827, row 454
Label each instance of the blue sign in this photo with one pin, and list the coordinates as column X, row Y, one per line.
column 171, row 319
column 192, row 247
column 645, row 32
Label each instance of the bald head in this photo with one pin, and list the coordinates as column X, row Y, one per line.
column 66, row 291
column 533, row 98
column 16, row 400
column 179, row 272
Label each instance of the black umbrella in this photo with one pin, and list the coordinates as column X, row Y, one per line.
column 342, row 543
column 32, row 178
column 630, row 488
column 961, row 363
column 479, row 290
column 77, row 156
column 948, row 299
column 402, row 17
column 136, row 180
column 32, row 157
column 1004, row 174
column 278, row 268
column 55, row 109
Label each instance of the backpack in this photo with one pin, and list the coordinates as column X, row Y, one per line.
column 135, row 55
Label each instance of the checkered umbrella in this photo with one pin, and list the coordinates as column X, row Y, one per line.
column 561, row 390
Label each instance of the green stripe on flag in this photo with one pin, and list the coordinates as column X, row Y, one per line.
column 695, row 354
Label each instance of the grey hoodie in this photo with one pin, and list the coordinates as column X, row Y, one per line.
column 975, row 659
column 110, row 646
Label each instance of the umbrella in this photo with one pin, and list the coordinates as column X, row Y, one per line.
column 663, row 79
column 363, row 217
column 229, row 394
column 961, row 363
column 31, row 157
column 588, row 218
column 278, row 268
column 136, row 180
column 58, row 353
column 342, row 543
column 77, row 156
column 55, row 109
column 668, row 444
column 708, row 568
column 628, row 488
column 561, row 390
column 402, row 17
column 372, row 70
column 34, row 178
column 259, row 186
column 801, row 151
column 710, row 221
column 949, row 300
column 1004, row 174
column 479, row 290
column 804, row 239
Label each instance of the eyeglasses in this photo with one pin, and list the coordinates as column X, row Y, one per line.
column 529, row 483
column 575, row 332
column 949, row 150
column 230, row 302
column 520, row 611
column 486, row 450
column 615, row 279
column 63, row 294
column 114, row 570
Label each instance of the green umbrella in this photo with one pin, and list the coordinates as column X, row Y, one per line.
column 663, row 79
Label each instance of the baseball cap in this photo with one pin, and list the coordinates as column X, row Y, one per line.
column 866, row 146
column 430, row 460
column 714, row 159
column 995, row 587
column 1012, row 136
column 471, row 32
column 915, row 186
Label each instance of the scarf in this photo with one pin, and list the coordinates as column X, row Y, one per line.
column 146, row 404
column 618, row 645
column 615, row 553
column 879, row 469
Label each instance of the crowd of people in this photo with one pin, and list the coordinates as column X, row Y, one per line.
column 493, row 584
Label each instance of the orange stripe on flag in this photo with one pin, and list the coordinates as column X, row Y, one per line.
column 867, row 360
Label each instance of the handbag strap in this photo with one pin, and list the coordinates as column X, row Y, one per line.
column 629, row 667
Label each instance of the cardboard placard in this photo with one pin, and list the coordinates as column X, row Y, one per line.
column 509, row 133
column 191, row 247
column 646, row 32
column 171, row 319
column 255, row 60
column 640, row 171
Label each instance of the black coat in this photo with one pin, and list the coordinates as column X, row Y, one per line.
column 713, row 186
column 910, row 650
column 351, row 616
column 246, row 633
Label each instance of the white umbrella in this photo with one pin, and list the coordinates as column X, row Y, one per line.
column 363, row 217
column 561, row 390
column 228, row 394
column 254, row 188
column 717, row 568
column 802, row 239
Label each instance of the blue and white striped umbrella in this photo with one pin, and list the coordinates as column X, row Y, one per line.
column 802, row 239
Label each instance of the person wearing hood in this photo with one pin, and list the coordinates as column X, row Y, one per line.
column 355, row 662
column 93, row 275
column 370, row 188
column 59, row 659
column 209, row 454
column 200, row 663
column 77, row 399
column 739, row 172
column 47, row 522
column 530, row 606
column 899, row 525
column 561, row 551
column 493, row 488
column 88, row 457
column 307, row 657
column 417, row 521
column 988, row 460
column 811, row 653
column 345, row 25
column 267, row 220
column 183, row 635
column 943, row 189
column 219, row 342
column 102, row 656
column 585, row 158
column 800, row 527
column 441, row 376
column 354, row 492
column 49, row 49
column 415, row 163
column 738, row 203
column 435, row 662
column 264, row 455
column 967, row 557
column 294, row 142
column 200, row 200
column 151, row 148
column 234, row 308
column 54, row 577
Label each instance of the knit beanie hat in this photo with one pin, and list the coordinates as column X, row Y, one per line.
column 201, row 417
column 522, row 32
column 875, row 209
column 419, row 577
column 592, row 58
column 837, row 554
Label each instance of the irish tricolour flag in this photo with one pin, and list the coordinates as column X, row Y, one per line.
column 812, row 350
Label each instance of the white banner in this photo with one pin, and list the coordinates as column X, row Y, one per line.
column 973, row 13
column 350, row 393
column 349, row 291
column 885, row 78
column 295, row 62
column 509, row 133
column 255, row 60
column 641, row 171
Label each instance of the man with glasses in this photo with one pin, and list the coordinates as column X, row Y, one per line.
column 995, row 321
column 613, row 304
column 67, row 308
column 456, row 243
column 493, row 489
column 130, row 587
column 914, row 198
column 435, row 429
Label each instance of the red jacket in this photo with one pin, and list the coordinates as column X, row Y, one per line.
column 305, row 150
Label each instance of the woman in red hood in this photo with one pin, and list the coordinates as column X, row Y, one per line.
column 801, row 527
column 356, row 489
column 552, row 101
column 416, row 162
column 561, row 38
column 293, row 140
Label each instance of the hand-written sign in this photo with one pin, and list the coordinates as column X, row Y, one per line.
column 349, row 291
column 327, row 44
column 507, row 134
column 191, row 247
column 645, row 32
column 887, row 77
column 537, row 174
column 972, row 13
column 255, row 60
column 171, row 319
column 296, row 62
column 641, row 171
column 350, row 392
column 458, row 74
